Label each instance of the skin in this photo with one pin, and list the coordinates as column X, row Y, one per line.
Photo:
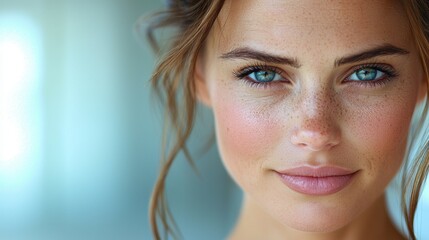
column 315, row 116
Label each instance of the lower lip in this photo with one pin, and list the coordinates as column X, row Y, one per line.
column 317, row 185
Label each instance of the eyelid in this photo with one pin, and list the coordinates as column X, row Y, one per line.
column 251, row 68
column 387, row 69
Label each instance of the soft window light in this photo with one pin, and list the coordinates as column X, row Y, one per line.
column 14, row 66
column 21, row 130
column 17, row 72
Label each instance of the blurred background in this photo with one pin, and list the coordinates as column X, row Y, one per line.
column 80, row 134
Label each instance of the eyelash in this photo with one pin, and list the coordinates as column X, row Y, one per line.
column 243, row 74
column 389, row 71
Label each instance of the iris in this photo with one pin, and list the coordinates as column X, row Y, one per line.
column 264, row 76
column 366, row 74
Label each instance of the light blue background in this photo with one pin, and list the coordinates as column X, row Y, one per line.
column 87, row 157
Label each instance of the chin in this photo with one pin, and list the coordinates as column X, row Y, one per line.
column 326, row 226
column 319, row 221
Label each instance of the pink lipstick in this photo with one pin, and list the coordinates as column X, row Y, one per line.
column 317, row 180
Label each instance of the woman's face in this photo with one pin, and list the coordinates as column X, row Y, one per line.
column 312, row 103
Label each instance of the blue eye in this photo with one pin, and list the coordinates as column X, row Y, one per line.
column 367, row 74
column 264, row 76
column 261, row 75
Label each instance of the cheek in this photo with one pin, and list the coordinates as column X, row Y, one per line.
column 246, row 135
column 380, row 133
column 382, row 129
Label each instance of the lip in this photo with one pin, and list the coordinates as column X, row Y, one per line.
column 317, row 181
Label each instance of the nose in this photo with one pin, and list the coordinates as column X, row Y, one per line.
column 317, row 127
column 315, row 139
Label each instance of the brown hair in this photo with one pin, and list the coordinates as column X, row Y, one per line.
column 173, row 79
column 415, row 172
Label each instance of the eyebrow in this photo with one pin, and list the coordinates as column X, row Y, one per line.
column 248, row 53
column 383, row 50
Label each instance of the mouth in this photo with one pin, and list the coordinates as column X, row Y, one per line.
column 317, row 181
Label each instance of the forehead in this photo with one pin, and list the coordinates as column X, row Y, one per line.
column 284, row 25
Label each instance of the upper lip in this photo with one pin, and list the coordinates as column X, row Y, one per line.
column 317, row 171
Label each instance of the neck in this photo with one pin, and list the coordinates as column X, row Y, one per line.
column 374, row 223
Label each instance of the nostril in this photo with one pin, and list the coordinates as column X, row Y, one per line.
column 302, row 145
